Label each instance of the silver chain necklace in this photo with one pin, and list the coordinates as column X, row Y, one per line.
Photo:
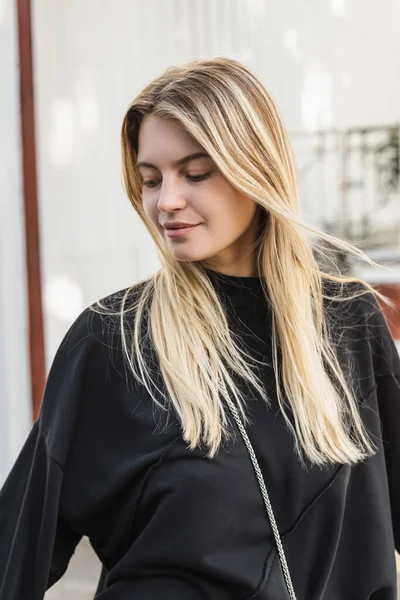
column 267, row 502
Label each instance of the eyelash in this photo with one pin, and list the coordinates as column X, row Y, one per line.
column 193, row 178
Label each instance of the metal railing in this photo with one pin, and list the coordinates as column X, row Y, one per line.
column 350, row 183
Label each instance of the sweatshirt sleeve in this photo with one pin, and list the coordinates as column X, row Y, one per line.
column 35, row 546
column 35, row 543
column 387, row 376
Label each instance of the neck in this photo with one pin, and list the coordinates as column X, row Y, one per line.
column 233, row 269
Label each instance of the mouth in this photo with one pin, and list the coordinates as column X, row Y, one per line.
column 180, row 231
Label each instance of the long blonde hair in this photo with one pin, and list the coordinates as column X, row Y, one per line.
column 226, row 109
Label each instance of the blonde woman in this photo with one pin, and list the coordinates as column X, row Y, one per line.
column 228, row 428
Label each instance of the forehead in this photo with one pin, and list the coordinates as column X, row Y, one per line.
column 164, row 140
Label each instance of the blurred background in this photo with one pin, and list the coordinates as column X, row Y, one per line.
column 68, row 234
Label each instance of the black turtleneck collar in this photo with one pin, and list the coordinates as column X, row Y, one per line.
column 241, row 291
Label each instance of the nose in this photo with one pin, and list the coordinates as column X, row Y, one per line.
column 170, row 197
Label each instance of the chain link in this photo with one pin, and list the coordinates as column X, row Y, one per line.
column 267, row 502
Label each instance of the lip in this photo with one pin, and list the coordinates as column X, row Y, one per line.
column 176, row 224
column 173, row 233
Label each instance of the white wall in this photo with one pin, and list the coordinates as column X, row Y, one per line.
column 15, row 400
column 332, row 63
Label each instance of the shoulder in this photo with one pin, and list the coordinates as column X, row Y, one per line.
column 99, row 324
column 357, row 317
column 89, row 371
column 351, row 302
column 94, row 341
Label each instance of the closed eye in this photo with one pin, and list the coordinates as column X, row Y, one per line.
column 151, row 183
column 196, row 178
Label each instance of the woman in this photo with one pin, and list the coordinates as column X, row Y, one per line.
column 228, row 428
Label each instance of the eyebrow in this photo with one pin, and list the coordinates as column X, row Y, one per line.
column 176, row 163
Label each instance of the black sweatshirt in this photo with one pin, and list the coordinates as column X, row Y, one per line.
column 169, row 523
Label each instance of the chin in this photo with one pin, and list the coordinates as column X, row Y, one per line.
column 188, row 255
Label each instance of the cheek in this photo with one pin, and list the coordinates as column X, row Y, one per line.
column 149, row 203
column 230, row 211
column 247, row 211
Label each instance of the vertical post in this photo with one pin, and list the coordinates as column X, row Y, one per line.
column 32, row 233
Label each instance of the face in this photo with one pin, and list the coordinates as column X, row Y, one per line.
column 182, row 184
